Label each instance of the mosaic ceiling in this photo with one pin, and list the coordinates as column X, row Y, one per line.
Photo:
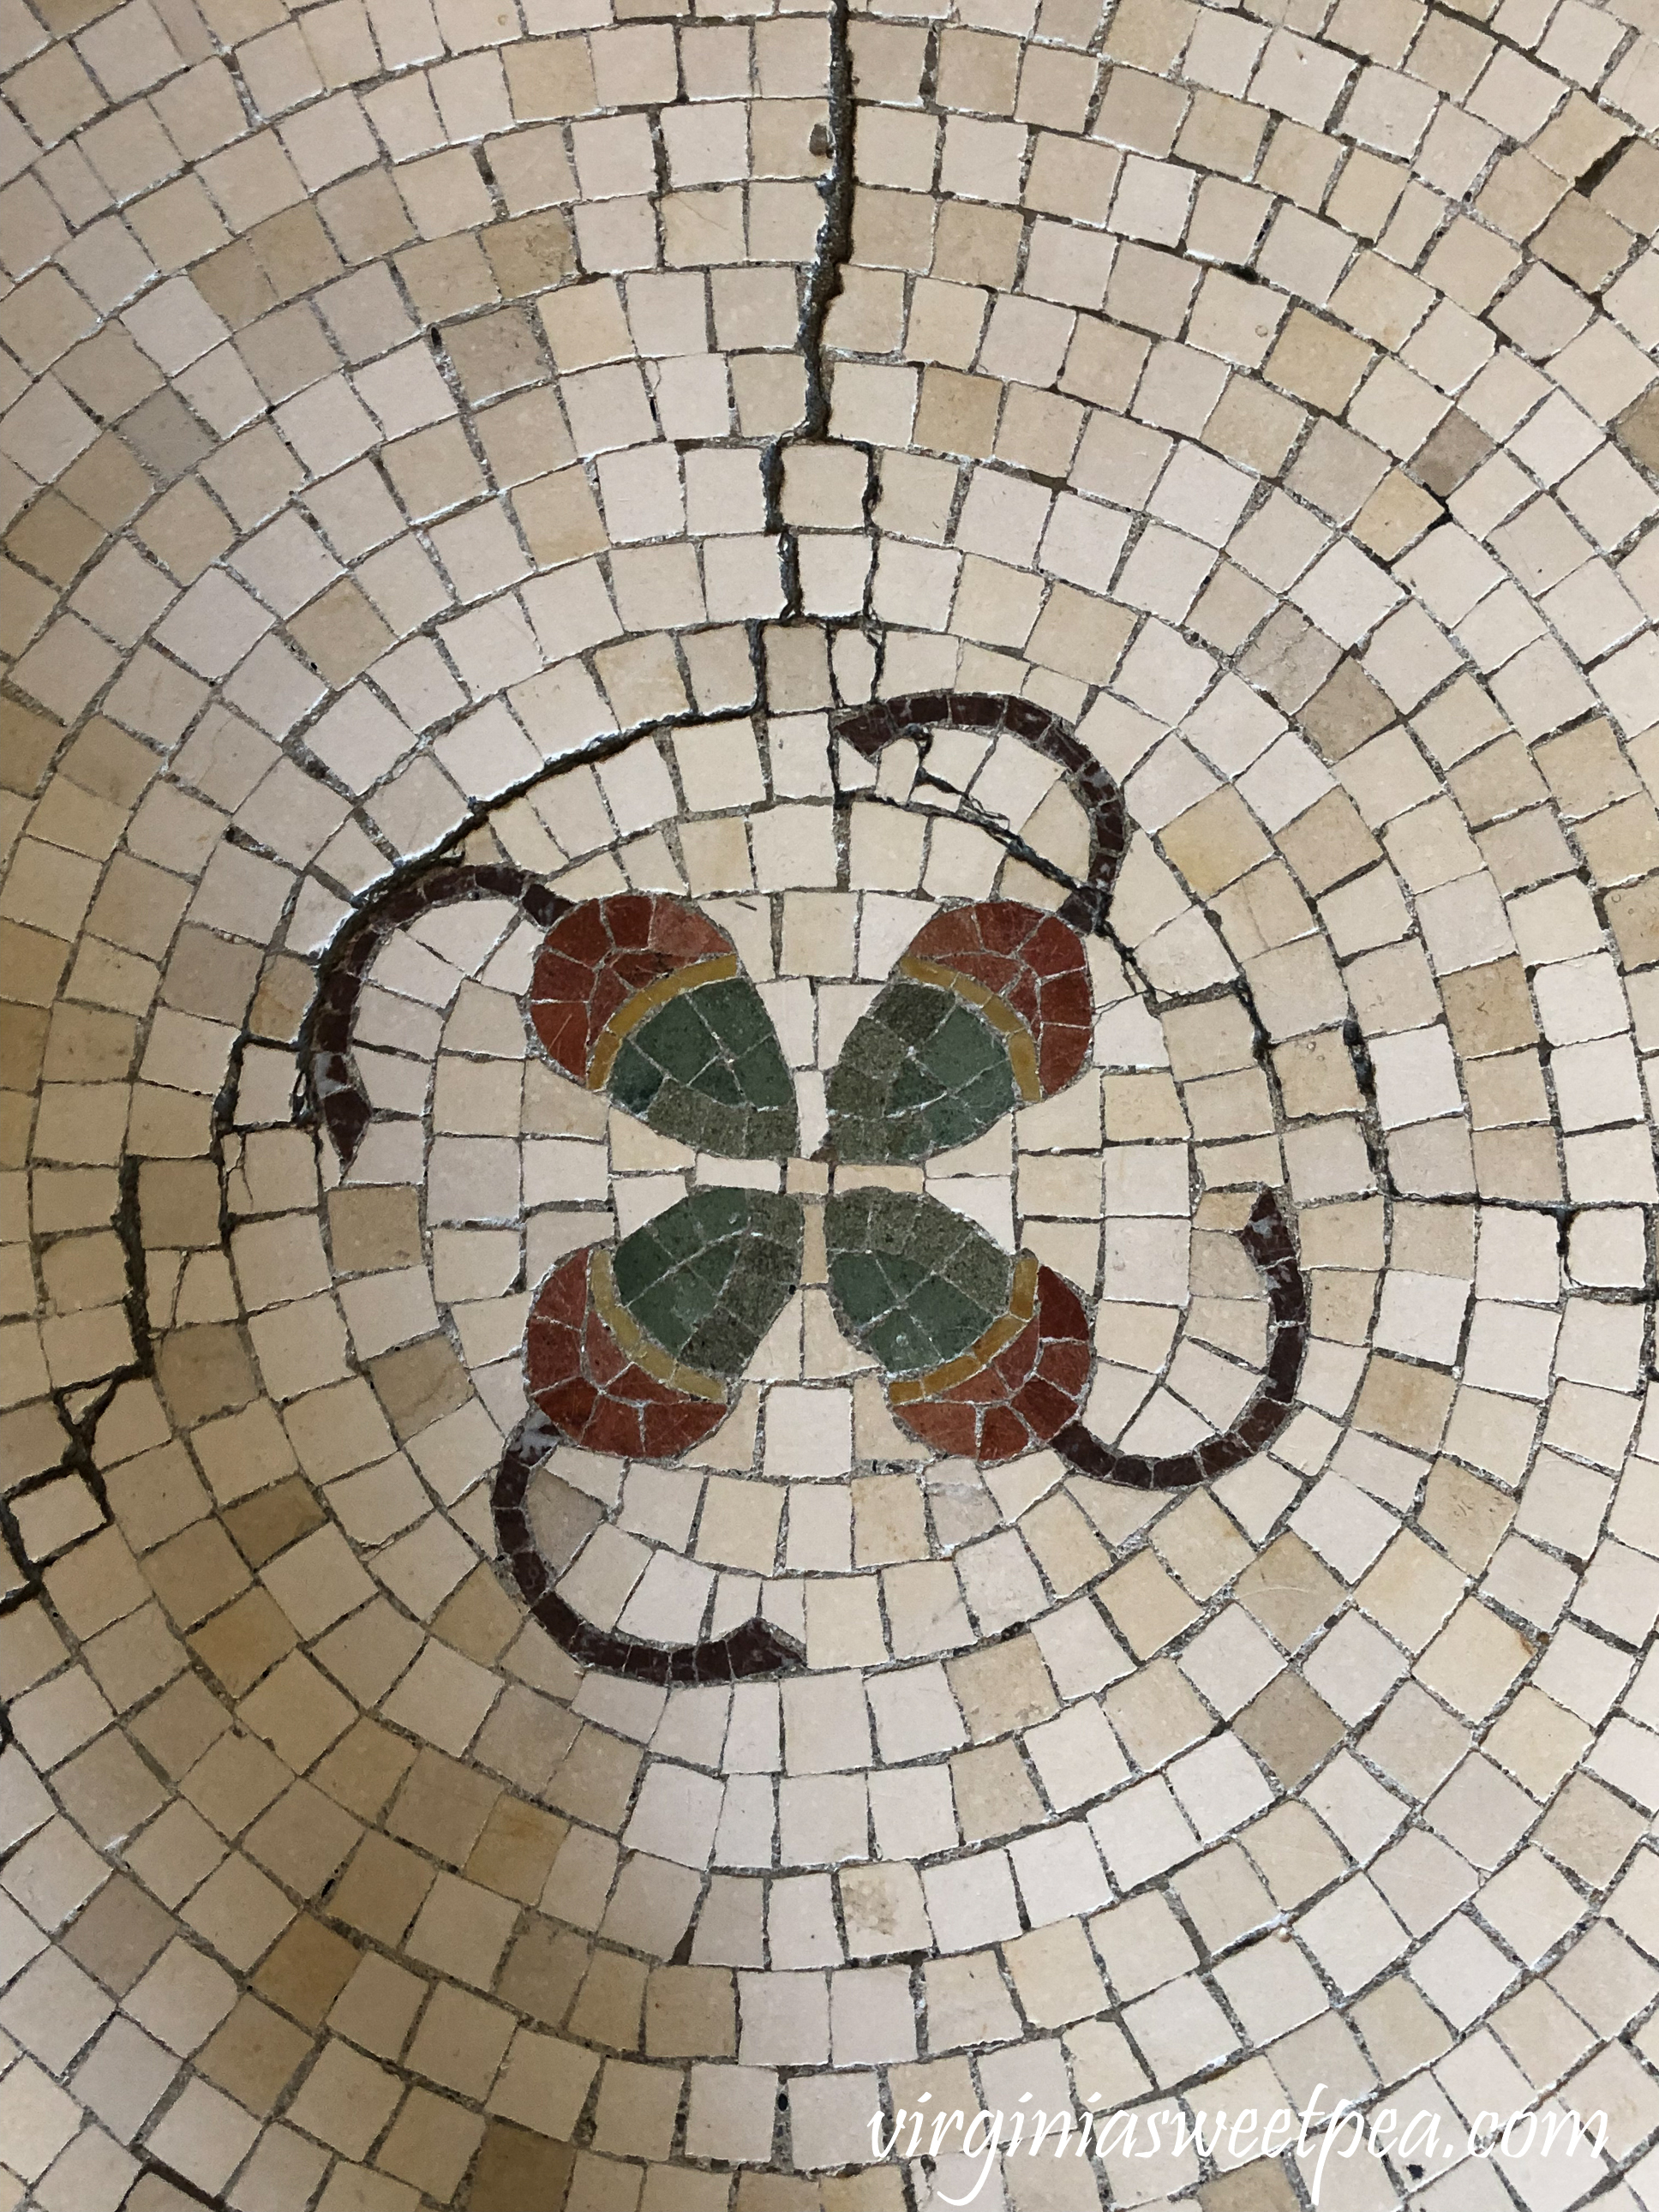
column 831, row 966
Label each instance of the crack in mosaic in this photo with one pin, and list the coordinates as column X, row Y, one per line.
column 1190, row 473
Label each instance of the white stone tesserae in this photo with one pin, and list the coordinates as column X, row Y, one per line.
column 830, row 955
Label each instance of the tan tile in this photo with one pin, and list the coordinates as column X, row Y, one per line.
column 254, row 2055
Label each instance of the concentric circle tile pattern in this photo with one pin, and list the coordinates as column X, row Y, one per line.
column 662, row 1497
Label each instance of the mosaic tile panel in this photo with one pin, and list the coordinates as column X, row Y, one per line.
column 829, row 987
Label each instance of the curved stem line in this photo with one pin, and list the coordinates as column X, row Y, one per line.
column 754, row 1648
column 335, row 1090
column 1267, row 1240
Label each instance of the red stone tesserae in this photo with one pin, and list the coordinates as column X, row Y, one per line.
column 1034, row 961
column 589, row 1387
column 1023, row 1395
column 595, row 958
